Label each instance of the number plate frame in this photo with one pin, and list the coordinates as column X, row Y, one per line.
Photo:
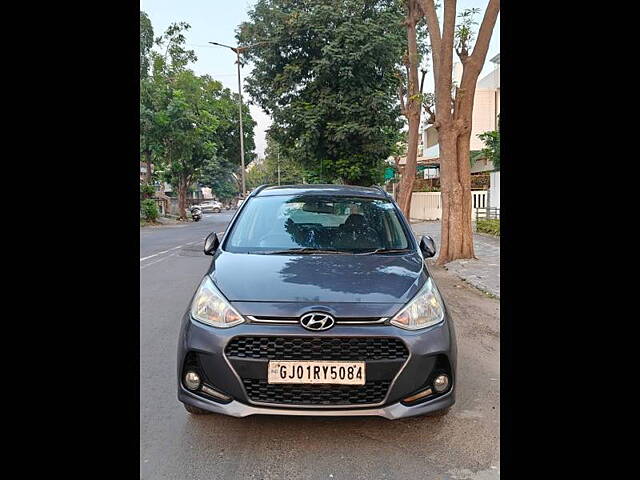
column 315, row 372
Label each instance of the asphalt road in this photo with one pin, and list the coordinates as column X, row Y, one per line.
column 175, row 445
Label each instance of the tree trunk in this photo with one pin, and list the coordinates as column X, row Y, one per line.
column 449, row 188
column 409, row 175
column 412, row 111
column 459, row 234
column 147, row 161
column 464, row 173
column 182, row 199
column 456, row 234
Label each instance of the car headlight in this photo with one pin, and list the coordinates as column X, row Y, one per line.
column 209, row 306
column 425, row 310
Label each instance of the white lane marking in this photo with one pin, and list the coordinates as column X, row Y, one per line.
column 160, row 253
column 168, row 250
column 157, row 261
column 142, row 267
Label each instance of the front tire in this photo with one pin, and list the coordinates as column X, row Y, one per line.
column 216, row 210
column 195, row 410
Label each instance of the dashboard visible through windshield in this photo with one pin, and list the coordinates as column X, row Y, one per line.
column 317, row 223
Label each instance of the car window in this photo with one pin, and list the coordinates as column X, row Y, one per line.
column 320, row 222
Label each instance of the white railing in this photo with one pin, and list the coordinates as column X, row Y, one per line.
column 428, row 205
column 479, row 199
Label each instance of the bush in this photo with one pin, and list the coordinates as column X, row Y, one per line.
column 491, row 227
column 147, row 190
column 149, row 210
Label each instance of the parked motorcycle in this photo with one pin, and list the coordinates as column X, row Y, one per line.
column 196, row 214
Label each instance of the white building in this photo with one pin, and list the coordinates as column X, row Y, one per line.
column 486, row 110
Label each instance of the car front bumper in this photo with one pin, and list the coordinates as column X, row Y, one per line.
column 392, row 412
column 415, row 373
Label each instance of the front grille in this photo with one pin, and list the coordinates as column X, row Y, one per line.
column 367, row 321
column 369, row 393
column 317, row 348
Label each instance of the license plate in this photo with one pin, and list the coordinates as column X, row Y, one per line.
column 340, row 373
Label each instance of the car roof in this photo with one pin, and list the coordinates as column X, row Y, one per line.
column 322, row 189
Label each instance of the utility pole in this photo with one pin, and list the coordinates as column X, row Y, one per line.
column 237, row 51
column 244, row 188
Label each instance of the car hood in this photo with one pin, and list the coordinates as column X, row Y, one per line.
column 322, row 278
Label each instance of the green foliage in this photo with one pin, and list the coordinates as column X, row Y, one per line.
column 217, row 175
column 189, row 123
column 146, row 42
column 464, row 34
column 475, row 155
column 149, row 210
column 218, row 171
column 491, row 150
column 490, row 226
column 327, row 75
column 266, row 172
column 146, row 190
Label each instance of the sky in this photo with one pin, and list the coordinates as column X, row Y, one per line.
column 217, row 20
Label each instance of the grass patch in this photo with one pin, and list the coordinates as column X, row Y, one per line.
column 492, row 227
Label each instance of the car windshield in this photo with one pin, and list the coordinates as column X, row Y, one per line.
column 277, row 224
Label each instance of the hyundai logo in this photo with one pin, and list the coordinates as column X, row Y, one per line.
column 317, row 321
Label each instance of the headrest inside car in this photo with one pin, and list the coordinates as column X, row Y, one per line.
column 355, row 220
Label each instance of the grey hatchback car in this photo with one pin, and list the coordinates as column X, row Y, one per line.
column 318, row 301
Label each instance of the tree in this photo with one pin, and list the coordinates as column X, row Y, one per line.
column 266, row 172
column 194, row 120
column 176, row 110
column 146, row 107
column 160, row 69
column 221, row 171
column 411, row 107
column 146, row 43
column 325, row 72
column 452, row 115
column 188, row 123
column 491, row 150
column 218, row 176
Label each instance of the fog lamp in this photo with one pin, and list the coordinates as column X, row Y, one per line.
column 441, row 383
column 192, row 380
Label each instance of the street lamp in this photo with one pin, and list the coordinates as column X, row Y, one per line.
column 237, row 51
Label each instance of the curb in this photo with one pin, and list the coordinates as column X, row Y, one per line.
column 478, row 287
column 487, row 235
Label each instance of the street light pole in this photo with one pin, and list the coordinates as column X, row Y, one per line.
column 244, row 189
column 237, row 51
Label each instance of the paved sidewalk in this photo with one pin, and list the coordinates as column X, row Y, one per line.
column 483, row 273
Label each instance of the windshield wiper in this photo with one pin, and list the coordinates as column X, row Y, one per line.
column 304, row 251
column 385, row 250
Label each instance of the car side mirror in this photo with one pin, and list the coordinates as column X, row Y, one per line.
column 211, row 244
column 427, row 246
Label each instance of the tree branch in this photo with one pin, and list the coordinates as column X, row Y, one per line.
column 424, row 73
column 455, row 101
column 403, row 107
column 484, row 34
column 444, row 81
column 463, row 54
column 431, row 119
column 428, row 8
